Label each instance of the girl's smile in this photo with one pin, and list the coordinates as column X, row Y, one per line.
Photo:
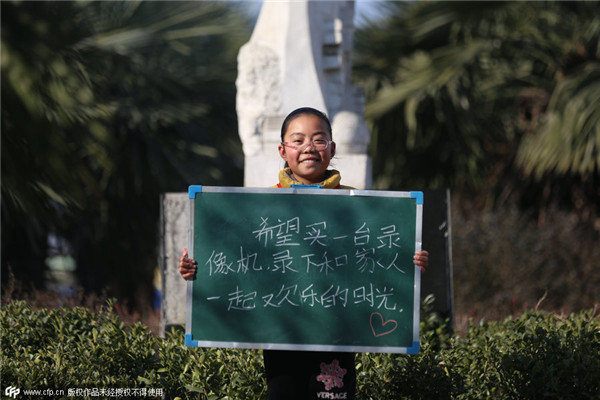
column 310, row 160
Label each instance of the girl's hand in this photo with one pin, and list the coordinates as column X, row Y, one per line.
column 421, row 259
column 187, row 266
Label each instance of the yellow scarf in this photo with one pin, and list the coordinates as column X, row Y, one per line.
column 332, row 181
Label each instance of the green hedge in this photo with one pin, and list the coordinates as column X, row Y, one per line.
column 537, row 355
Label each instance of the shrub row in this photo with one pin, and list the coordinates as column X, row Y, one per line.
column 537, row 355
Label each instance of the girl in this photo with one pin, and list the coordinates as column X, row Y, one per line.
column 307, row 148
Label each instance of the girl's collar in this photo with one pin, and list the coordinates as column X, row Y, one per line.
column 331, row 182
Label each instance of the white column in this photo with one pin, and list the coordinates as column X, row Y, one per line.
column 300, row 55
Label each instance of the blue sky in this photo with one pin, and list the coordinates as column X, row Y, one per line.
column 363, row 8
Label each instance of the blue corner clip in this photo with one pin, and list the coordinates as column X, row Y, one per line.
column 414, row 349
column 189, row 342
column 418, row 196
column 193, row 190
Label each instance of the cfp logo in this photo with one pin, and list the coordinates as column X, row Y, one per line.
column 12, row 391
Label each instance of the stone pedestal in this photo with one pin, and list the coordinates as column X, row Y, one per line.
column 436, row 239
column 175, row 219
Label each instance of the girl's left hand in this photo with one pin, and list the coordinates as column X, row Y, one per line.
column 421, row 259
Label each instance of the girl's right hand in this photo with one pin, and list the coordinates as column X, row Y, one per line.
column 187, row 266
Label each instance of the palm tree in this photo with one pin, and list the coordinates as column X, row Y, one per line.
column 105, row 105
column 473, row 95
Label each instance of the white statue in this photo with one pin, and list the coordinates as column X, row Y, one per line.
column 300, row 55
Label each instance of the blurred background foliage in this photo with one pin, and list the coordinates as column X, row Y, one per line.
column 105, row 105
column 499, row 98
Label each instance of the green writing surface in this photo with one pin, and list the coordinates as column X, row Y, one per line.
column 304, row 269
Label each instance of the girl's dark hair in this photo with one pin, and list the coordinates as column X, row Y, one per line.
column 304, row 111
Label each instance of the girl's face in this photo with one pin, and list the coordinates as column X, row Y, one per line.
column 309, row 164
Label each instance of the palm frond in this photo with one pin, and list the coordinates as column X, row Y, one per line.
column 569, row 140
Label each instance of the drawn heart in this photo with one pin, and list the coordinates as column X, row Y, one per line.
column 378, row 325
